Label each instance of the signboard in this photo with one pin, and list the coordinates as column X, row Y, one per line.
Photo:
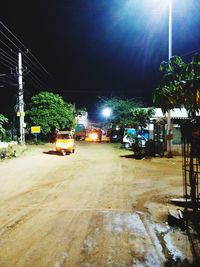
column 169, row 136
column 196, row 132
column 35, row 129
column 20, row 114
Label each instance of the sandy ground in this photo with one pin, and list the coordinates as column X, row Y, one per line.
column 96, row 207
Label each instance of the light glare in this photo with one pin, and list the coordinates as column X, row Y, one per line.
column 106, row 112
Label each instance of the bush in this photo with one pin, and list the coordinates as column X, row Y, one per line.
column 8, row 152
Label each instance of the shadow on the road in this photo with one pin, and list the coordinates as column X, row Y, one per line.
column 132, row 156
column 52, row 152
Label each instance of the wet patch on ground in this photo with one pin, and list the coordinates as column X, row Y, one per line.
column 131, row 239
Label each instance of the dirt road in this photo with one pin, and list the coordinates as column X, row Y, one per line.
column 96, row 207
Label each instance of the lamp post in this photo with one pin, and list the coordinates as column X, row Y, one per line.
column 169, row 126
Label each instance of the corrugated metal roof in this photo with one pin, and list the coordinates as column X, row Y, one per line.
column 175, row 113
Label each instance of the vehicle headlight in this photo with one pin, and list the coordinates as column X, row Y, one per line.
column 94, row 136
column 58, row 144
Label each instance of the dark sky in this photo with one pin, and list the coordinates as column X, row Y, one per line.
column 97, row 48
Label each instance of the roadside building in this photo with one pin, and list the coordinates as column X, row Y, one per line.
column 158, row 125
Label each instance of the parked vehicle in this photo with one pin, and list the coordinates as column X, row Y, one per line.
column 135, row 139
column 127, row 141
column 80, row 132
column 105, row 138
column 94, row 135
column 139, row 146
column 128, row 138
column 65, row 142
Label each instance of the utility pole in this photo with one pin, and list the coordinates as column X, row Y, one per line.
column 21, row 100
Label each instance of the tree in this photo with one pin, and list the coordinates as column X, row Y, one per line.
column 3, row 120
column 126, row 112
column 167, row 95
column 180, row 87
column 141, row 117
column 50, row 112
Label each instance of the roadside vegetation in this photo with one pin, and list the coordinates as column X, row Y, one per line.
column 179, row 86
column 11, row 150
column 51, row 113
column 47, row 110
column 3, row 120
column 126, row 113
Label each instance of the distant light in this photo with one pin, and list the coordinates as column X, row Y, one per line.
column 107, row 112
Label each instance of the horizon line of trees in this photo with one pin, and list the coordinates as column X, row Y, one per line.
column 52, row 113
column 179, row 87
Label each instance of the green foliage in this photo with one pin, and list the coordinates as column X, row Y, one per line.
column 12, row 151
column 179, row 86
column 125, row 112
column 141, row 117
column 50, row 112
column 3, row 120
column 165, row 96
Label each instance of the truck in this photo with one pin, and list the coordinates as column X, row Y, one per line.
column 80, row 132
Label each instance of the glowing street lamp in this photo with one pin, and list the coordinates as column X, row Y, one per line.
column 107, row 112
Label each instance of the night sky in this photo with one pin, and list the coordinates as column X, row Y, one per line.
column 94, row 48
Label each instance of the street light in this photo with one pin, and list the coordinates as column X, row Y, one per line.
column 106, row 112
column 169, row 141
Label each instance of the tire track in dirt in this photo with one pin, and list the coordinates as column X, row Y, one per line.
column 77, row 211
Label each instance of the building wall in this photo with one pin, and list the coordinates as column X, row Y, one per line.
column 176, row 135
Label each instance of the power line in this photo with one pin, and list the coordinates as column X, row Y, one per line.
column 5, row 60
column 191, row 52
column 82, row 91
column 8, row 58
column 6, row 45
column 24, row 47
column 4, row 52
column 7, row 81
column 6, row 65
column 16, row 60
column 37, row 70
column 9, row 40
column 13, row 34
column 34, row 83
column 36, row 67
column 11, row 77
column 12, row 59
column 36, row 78
column 37, row 82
